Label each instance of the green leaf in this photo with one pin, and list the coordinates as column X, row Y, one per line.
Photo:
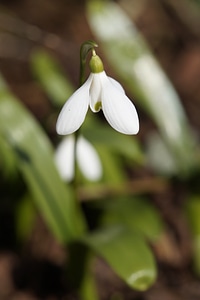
column 88, row 290
column 193, row 213
column 51, row 76
column 126, row 253
column 25, row 217
column 8, row 161
column 130, row 57
column 164, row 163
column 101, row 134
column 192, row 210
column 34, row 153
column 112, row 169
column 136, row 213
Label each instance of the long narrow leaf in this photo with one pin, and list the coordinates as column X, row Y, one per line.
column 51, row 76
column 35, row 160
column 127, row 254
column 136, row 213
column 102, row 134
column 192, row 209
column 132, row 60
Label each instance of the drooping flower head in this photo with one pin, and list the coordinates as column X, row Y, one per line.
column 99, row 92
column 87, row 159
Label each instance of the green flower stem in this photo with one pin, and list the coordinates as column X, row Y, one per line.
column 79, row 274
column 75, row 179
column 85, row 49
column 78, row 268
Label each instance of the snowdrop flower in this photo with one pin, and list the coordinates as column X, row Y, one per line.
column 99, row 92
column 87, row 159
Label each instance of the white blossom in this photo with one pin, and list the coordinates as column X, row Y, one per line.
column 99, row 92
column 87, row 159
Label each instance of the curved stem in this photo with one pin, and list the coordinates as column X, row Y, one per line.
column 85, row 49
column 80, row 256
column 75, row 180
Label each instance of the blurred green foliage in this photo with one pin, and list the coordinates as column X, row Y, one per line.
column 125, row 224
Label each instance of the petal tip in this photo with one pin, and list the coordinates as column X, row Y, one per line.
column 62, row 129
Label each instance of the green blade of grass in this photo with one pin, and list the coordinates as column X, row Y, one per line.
column 51, row 76
column 34, row 153
column 129, row 55
column 100, row 133
column 127, row 254
column 136, row 213
column 192, row 210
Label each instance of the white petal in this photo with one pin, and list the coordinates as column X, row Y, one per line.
column 74, row 111
column 118, row 109
column 64, row 158
column 88, row 160
column 95, row 92
column 117, row 84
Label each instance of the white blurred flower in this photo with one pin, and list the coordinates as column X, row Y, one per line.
column 99, row 92
column 87, row 159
